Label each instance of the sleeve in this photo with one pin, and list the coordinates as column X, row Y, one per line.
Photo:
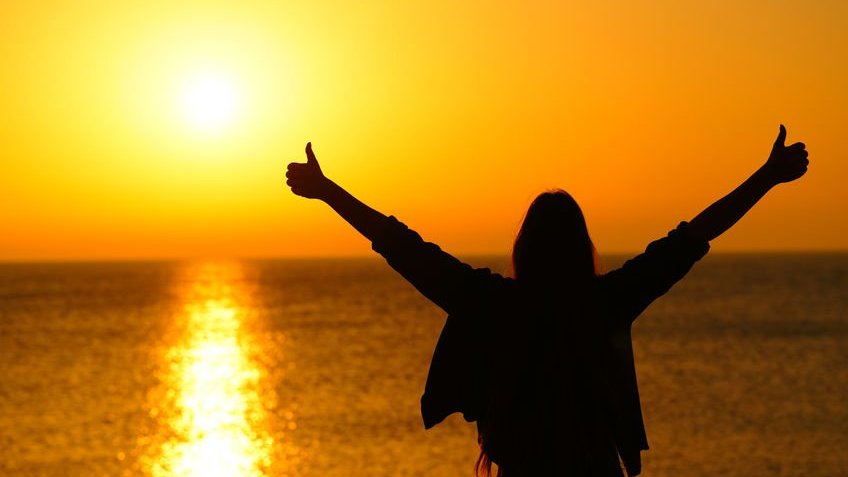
column 651, row 274
column 449, row 283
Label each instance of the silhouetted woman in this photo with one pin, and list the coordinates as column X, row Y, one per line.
column 543, row 362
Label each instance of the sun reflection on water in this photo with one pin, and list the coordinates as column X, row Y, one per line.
column 214, row 415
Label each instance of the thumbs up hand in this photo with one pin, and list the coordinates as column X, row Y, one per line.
column 786, row 163
column 307, row 180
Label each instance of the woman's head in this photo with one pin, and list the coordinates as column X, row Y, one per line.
column 553, row 244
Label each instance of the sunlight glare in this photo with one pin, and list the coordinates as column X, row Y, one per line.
column 212, row 414
column 210, row 101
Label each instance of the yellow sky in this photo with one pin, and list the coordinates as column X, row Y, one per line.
column 450, row 115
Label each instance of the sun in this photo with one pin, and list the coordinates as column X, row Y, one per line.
column 210, row 101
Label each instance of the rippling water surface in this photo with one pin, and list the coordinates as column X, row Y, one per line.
column 315, row 368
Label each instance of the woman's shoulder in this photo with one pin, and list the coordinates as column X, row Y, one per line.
column 502, row 289
column 493, row 281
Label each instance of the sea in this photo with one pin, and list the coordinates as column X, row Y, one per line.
column 315, row 367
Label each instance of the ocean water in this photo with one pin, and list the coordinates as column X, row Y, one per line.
column 315, row 368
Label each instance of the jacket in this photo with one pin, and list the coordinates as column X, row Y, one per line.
column 459, row 373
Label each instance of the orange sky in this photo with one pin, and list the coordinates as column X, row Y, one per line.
column 450, row 115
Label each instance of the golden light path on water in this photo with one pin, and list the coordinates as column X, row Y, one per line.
column 214, row 417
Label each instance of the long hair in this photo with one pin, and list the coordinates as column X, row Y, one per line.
column 553, row 256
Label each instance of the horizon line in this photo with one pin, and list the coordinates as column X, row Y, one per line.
column 212, row 258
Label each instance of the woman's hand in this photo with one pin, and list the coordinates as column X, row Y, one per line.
column 786, row 163
column 307, row 180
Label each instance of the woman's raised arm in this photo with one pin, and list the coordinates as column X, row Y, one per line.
column 649, row 275
column 439, row 276
column 785, row 164
column 307, row 180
